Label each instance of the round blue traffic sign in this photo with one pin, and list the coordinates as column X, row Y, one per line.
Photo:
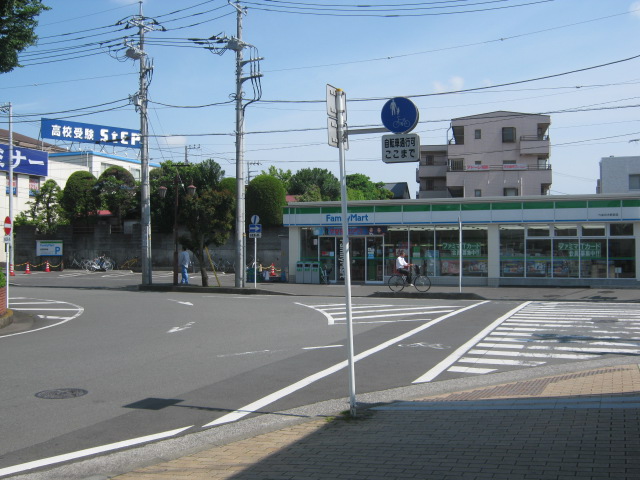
column 400, row 115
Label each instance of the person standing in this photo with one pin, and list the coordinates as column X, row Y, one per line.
column 184, row 262
column 403, row 267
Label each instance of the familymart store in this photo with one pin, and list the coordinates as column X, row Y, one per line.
column 551, row 240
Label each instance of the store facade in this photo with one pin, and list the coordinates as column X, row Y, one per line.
column 551, row 240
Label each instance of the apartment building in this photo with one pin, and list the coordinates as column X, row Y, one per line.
column 619, row 175
column 493, row 154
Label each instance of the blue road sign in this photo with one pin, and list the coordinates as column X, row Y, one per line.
column 399, row 115
column 255, row 230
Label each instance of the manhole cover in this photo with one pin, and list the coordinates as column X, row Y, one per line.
column 60, row 393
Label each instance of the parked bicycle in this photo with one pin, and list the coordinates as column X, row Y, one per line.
column 130, row 263
column 325, row 274
column 101, row 263
column 397, row 282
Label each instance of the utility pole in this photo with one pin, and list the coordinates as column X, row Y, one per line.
column 186, row 153
column 249, row 170
column 237, row 45
column 8, row 108
column 136, row 52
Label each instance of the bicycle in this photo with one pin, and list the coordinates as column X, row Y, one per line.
column 325, row 274
column 397, row 281
column 130, row 263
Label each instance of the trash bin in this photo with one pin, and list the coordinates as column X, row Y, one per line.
column 315, row 272
column 299, row 272
column 307, row 272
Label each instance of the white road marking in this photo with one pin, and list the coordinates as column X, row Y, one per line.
column 502, row 353
column 90, row 451
column 180, row 329
column 497, row 361
column 323, row 346
column 180, row 302
column 479, row 371
column 39, row 301
column 460, row 351
column 262, row 402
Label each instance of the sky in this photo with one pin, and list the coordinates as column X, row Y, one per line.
column 575, row 60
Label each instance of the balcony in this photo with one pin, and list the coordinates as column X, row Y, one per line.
column 459, row 166
column 534, row 145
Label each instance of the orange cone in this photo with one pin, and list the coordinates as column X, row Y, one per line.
column 272, row 271
column 28, row 270
column 46, row 267
column 11, row 272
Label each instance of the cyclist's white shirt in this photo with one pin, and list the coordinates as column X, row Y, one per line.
column 401, row 263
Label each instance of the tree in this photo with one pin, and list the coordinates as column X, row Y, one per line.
column 116, row 190
column 17, row 29
column 368, row 190
column 79, row 200
column 282, row 175
column 207, row 216
column 229, row 183
column 45, row 212
column 265, row 197
column 303, row 180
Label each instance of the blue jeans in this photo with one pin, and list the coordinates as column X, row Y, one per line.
column 185, row 275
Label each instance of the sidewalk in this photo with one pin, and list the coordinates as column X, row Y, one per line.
column 577, row 425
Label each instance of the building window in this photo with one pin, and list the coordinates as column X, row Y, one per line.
column 477, row 192
column 429, row 160
column 34, row 186
column 634, row 181
column 508, row 134
column 458, row 135
column 510, row 192
column 477, row 134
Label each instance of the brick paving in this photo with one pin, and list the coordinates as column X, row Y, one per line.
column 564, row 440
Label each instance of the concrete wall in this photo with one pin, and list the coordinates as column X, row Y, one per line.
column 272, row 247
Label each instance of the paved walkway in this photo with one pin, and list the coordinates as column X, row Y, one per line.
column 578, row 425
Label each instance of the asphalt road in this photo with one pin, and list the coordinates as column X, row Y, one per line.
column 135, row 364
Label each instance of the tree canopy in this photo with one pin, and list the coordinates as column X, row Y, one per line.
column 207, row 215
column 116, row 190
column 304, row 180
column 79, row 199
column 17, row 29
column 265, row 197
column 45, row 212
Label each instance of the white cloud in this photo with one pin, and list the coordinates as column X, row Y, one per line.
column 454, row 83
column 635, row 9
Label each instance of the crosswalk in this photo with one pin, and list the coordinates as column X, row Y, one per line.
column 545, row 332
column 336, row 313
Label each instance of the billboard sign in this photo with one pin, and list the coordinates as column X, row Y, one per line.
column 25, row 160
column 87, row 133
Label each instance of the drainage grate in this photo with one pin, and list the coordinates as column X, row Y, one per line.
column 61, row 393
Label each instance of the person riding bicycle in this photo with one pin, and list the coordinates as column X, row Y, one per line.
column 403, row 267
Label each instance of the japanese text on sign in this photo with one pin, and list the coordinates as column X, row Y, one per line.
column 86, row 133
column 25, row 160
column 400, row 148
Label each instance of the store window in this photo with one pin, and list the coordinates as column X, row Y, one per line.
column 621, row 229
column 565, row 230
column 566, row 258
column 538, row 253
column 622, row 261
column 474, row 251
column 512, row 251
column 593, row 230
column 398, row 239
column 422, row 250
column 593, row 258
column 634, row 182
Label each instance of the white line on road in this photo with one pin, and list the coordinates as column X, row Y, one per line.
column 258, row 404
column 497, row 361
column 459, row 352
column 90, row 451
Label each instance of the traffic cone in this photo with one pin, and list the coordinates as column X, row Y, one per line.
column 46, row 267
column 11, row 272
column 272, row 270
column 28, row 270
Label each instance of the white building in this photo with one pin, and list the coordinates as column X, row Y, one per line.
column 619, row 175
column 488, row 155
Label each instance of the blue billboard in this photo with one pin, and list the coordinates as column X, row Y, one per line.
column 25, row 160
column 87, row 133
